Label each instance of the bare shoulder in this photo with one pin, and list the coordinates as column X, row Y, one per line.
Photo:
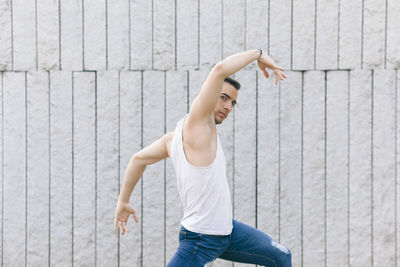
column 197, row 135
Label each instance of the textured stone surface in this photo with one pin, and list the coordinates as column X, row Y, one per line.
column 268, row 157
column 233, row 16
column 164, row 34
column 176, row 107
column 118, row 34
column 314, row 169
column 107, row 167
column 373, row 54
column 360, row 168
column 210, row 33
column 280, row 32
column 94, row 34
column 383, row 167
column 130, row 143
column 154, row 177
column 397, row 178
column 327, row 35
column 393, row 35
column 14, row 179
column 5, row 37
column 61, row 168
column 2, row 161
column 304, row 34
column 71, row 35
column 350, row 37
column 187, row 34
column 24, row 40
column 290, row 165
column 38, row 165
column 84, row 168
column 48, row 48
column 141, row 28
column 337, row 168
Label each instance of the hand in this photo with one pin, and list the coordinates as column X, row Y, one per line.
column 267, row 62
column 122, row 213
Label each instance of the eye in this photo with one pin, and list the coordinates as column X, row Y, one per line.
column 223, row 97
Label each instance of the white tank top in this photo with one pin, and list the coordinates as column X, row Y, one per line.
column 204, row 191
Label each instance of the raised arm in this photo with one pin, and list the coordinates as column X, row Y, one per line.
column 205, row 102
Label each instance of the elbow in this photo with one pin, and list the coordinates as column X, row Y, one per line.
column 220, row 69
column 137, row 159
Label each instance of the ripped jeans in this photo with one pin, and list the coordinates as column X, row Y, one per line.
column 245, row 244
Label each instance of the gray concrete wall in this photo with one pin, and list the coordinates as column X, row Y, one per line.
column 312, row 161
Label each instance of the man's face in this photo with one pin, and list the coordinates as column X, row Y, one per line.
column 226, row 101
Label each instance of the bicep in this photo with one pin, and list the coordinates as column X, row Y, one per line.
column 154, row 152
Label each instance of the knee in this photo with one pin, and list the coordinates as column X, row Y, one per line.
column 284, row 256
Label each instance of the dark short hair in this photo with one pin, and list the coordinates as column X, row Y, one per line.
column 232, row 81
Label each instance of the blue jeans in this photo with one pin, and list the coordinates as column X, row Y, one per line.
column 245, row 244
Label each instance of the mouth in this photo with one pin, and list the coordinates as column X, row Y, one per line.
column 223, row 114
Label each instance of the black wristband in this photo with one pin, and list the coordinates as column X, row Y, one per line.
column 258, row 60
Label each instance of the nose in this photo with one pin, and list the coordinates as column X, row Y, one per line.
column 228, row 106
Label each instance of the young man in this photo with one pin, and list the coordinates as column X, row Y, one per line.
column 208, row 231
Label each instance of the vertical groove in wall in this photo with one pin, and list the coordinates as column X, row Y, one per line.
column 395, row 172
column 385, row 50
column 280, row 164
column 291, row 34
column 36, row 35
column 222, row 29
column 245, row 25
column 73, row 165
column 198, row 34
column 2, row 167
column 325, row 160
column 362, row 35
column 141, row 180
column 152, row 34
column 165, row 165
column 26, row 171
column 233, row 164
column 59, row 34
column 176, row 41
column 12, row 36
column 302, row 165
column 338, row 34
column 315, row 34
column 187, row 91
column 372, row 167
column 119, row 155
column 269, row 24
column 95, row 168
column 256, row 219
column 83, row 34
column 129, row 34
column 348, row 168
column 49, row 140
column 106, row 4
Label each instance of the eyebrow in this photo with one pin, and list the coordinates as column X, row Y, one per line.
column 228, row 96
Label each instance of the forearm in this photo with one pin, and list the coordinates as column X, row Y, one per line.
column 133, row 173
column 236, row 62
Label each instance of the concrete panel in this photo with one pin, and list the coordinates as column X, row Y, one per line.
column 130, row 248
column 314, row 168
column 14, row 194
column 304, row 34
column 24, row 38
column 397, row 188
column 48, row 48
column 290, row 165
column 210, row 33
column 154, row 176
column 107, row 167
column 61, row 168
column 234, row 19
column 38, row 176
column 84, row 168
column 350, row 34
column 176, row 107
column 256, row 27
column 393, row 33
column 327, row 35
column 383, row 167
column 2, row 159
column 360, row 168
column 118, row 34
column 164, row 34
column 245, row 150
column 5, row 37
column 280, row 32
column 94, row 34
column 141, row 32
column 374, row 35
column 268, row 157
column 187, row 34
column 337, row 168
column 71, row 35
